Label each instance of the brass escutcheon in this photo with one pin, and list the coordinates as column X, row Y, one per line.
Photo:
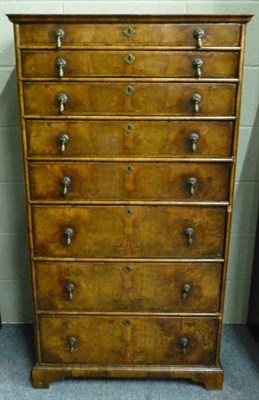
column 129, row 90
column 129, row 128
column 129, row 212
column 129, row 169
column 129, row 31
column 129, row 58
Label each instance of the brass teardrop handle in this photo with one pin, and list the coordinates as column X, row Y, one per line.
column 198, row 35
column 70, row 287
column 68, row 233
column 194, row 138
column 71, row 342
column 65, row 182
column 183, row 341
column 62, row 100
column 59, row 35
column 61, row 65
column 196, row 99
column 189, row 233
column 63, row 139
column 192, row 181
column 197, row 65
column 186, row 288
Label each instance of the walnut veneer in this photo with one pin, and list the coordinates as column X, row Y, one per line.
column 129, row 127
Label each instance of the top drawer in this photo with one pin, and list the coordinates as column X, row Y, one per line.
column 130, row 34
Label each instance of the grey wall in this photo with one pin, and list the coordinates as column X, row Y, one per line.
column 15, row 297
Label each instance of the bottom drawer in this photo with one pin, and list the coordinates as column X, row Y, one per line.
column 118, row 340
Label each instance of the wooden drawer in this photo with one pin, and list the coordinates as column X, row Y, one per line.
column 130, row 33
column 65, row 181
column 152, row 287
column 106, row 98
column 116, row 340
column 134, row 231
column 178, row 64
column 133, row 138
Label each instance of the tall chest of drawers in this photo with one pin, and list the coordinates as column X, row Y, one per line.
column 129, row 127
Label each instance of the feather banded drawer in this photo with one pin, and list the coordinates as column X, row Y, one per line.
column 129, row 130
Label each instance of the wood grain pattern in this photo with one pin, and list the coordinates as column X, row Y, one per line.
column 210, row 376
column 146, row 138
column 149, row 287
column 110, row 99
column 128, row 340
column 151, row 231
column 135, row 181
column 129, row 255
column 145, row 34
column 146, row 63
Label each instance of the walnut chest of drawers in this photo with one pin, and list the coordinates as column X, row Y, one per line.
column 129, row 127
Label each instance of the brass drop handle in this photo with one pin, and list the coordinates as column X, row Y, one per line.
column 63, row 139
column 197, row 65
column 198, row 35
column 189, row 233
column 196, row 99
column 59, row 35
column 68, row 233
column 194, row 138
column 192, row 181
column 70, row 287
column 184, row 344
column 62, row 100
column 186, row 288
column 61, row 65
column 65, row 182
column 71, row 341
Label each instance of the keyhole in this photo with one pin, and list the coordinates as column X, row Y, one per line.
column 129, row 212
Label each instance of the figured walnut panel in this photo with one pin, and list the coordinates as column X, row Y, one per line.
column 128, row 340
column 106, row 98
column 178, row 64
column 152, row 287
column 129, row 138
column 118, row 231
column 150, row 34
column 135, row 181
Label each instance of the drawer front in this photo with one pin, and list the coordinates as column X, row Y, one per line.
column 129, row 63
column 132, row 138
column 116, row 340
column 128, row 34
column 124, row 181
column 131, row 287
column 107, row 98
column 118, row 231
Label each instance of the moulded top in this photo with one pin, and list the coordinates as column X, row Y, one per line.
column 181, row 18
